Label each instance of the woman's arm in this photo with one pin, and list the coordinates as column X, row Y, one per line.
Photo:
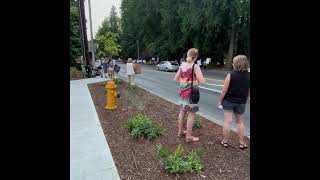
column 225, row 88
column 199, row 75
column 177, row 76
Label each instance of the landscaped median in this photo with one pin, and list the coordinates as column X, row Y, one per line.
column 142, row 136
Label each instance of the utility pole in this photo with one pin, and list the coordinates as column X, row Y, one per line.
column 92, row 42
column 84, row 31
column 81, row 34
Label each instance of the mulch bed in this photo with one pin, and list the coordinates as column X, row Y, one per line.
column 135, row 159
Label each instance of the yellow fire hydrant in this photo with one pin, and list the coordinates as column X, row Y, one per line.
column 111, row 95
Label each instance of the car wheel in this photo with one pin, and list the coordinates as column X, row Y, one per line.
column 166, row 69
column 157, row 68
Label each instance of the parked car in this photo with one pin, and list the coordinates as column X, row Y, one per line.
column 167, row 66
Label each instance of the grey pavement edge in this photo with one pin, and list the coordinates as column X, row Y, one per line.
column 90, row 156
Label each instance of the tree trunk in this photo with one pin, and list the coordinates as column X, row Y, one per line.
column 235, row 51
column 230, row 51
column 184, row 55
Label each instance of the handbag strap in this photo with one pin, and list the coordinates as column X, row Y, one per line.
column 192, row 77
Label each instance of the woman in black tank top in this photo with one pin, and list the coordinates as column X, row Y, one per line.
column 233, row 98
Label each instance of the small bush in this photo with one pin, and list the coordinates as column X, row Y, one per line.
column 74, row 72
column 196, row 122
column 143, row 126
column 176, row 162
column 118, row 80
column 131, row 88
column 162, row 151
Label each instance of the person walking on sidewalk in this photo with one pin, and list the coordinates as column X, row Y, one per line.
column 111, row 67
column 104, row 68
column 233, row 98
column 130, row 71
column 184, row 76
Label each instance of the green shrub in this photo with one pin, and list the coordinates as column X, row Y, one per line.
column 196, row 122
column 176, row 162
column 162, row 151
column 131, row 88
column 118, row 80
column 74, row 72
column 143, row 126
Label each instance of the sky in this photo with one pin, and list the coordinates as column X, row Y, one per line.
column 100, row 9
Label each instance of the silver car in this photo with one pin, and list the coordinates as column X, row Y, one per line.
column 168, row 66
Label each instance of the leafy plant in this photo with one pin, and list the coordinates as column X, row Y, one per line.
column 118, row 80
column 196, row 123
column 131, row 88
column 176, row 162
column 74, row 72
column 143, row 126
column 162, row 151
column 194, row 160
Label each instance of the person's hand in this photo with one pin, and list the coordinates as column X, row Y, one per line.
column 195, row 83
column 220, row 106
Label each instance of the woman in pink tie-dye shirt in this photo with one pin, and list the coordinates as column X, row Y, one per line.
column 184, row 76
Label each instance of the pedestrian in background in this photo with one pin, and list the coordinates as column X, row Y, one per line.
column 130, row 71
column 111, row 67
column 105, row 67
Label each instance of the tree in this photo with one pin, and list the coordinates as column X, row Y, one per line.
column 110, row 46
column 169, row 41
column 132, row 26
column 238, row 18
column 114, row 21
column 75, row 41
column 167, row 28
column 109, row 24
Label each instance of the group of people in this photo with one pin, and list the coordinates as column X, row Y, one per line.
column 233, row 98
column 107, row 68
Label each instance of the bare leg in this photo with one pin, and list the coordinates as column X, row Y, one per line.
column 240, row 127
column 180, row 122
column 101, row 72
column 226, row 125
column 133, row 79
column 129, row 77
column 189, row 126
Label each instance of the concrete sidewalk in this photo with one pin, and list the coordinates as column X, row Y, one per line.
column 90, row 156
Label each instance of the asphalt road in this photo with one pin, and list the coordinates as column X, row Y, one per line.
column 162, row 83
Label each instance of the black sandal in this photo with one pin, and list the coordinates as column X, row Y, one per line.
column 225, row 144
column 243, row 146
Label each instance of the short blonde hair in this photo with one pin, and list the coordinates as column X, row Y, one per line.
column 240, row 63
column 192, row 54
column 129, row 60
